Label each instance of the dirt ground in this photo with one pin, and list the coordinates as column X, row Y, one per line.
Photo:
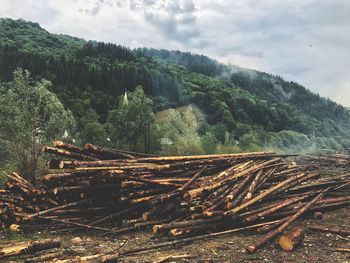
column 317, row 247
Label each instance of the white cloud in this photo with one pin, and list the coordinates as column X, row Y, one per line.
column 301, row 40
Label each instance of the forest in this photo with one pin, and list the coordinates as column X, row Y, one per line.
column 148, row 100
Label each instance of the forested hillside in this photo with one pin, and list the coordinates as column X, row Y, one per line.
column 244, row 109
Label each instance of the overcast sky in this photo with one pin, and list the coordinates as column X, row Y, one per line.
column 301, row 40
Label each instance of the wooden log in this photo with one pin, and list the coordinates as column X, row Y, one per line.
column 149, row 181
column 91, row 258
column 291, row 239
column 323, row 204
column 71, row 176
column 218, row 201
column 44, row 258
column 138, row 207
column 342, row 249
column 231, row 157
column 172, row 258
column 166, row 227
column 88, row 188
column 41, row 213
column 195, row 176
column 134, row 167
column 239, row 187
column 29, row 247
column 19, row 179
column 191, row 230
column 196, row 192
column 282, row 204
column 113, row 257
column 262, row 241
column 263, row 194
column 64, row 153
column 253, row 186
column 316, row 208
column 298, row 181
column 137, row 226
column 106, row 153
column 64, row 164
column 73, row 148
column 75, row 223
column 267, row 228
column 330, row 229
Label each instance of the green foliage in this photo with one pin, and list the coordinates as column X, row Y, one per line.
column 129, row 125
column 30, row 37
column 209, row 143
column 94, row 132
column 91, row 130
column 250, row 142
column 180, row 133
column 30, row 116
column 289, row 141
column 258, row 110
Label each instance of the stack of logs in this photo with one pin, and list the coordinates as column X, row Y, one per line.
column 327, row 161
column 177, row 196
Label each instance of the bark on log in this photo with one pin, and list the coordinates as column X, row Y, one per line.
column 72, row 148
column 262, row 241
column 41, row 213
column 44, row 258
column 342, row 249
column 277, row 207
column 263, row 195
column 64, row 153
column 173, row 225
column 327, row 229
column 29, row 247
column 113, row 257
column 106, row 153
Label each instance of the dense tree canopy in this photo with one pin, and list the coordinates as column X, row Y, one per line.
column 253, row 109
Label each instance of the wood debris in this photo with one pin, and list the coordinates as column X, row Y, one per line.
column 182, row 197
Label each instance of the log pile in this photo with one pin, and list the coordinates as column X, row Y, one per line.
column 181, row 197
column 326, row 161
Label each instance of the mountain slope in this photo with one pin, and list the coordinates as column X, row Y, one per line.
column 91, row 75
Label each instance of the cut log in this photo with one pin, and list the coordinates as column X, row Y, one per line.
column 291, row 239
column 73, row 148
column 262, row 241
column 114, row 257
column 29, row 247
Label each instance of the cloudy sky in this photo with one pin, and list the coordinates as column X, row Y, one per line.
column 301, row 40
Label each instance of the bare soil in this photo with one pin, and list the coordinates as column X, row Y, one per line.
column 317, row 247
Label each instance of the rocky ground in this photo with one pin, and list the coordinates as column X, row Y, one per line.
column 317, row 247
